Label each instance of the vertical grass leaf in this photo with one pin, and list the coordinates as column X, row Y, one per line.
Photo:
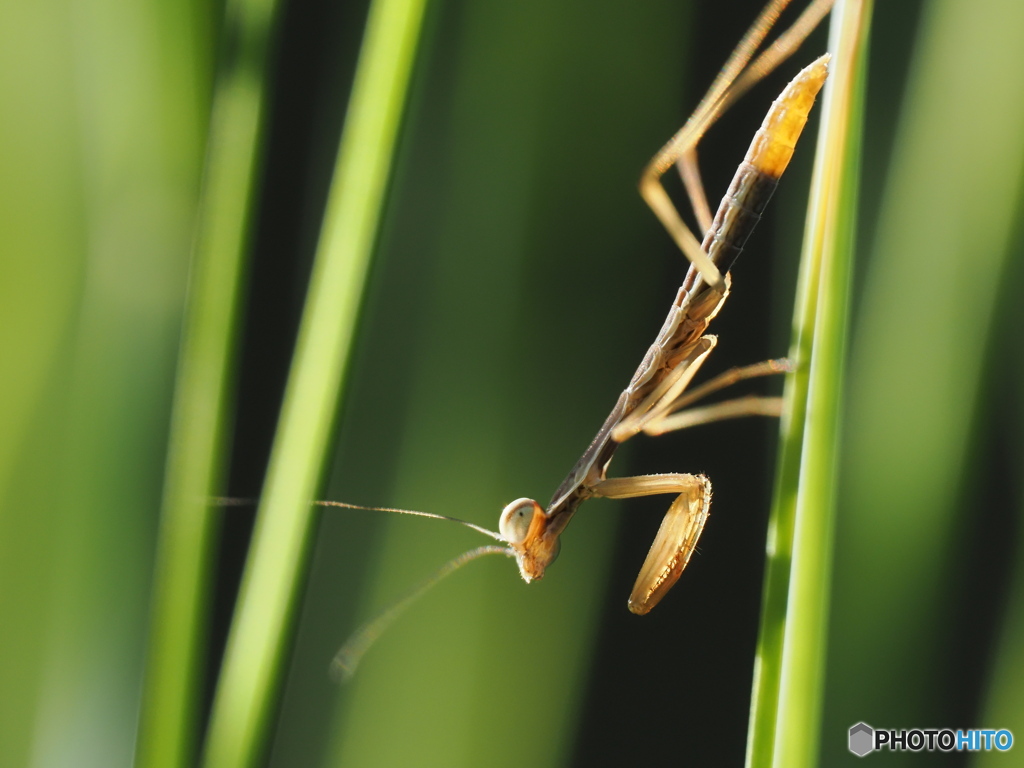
column 167, row 729
column 789, row 665
column 263, row 618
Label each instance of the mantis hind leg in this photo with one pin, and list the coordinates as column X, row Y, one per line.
column 737, row 76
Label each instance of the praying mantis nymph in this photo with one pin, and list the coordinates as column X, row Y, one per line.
column 656, row 400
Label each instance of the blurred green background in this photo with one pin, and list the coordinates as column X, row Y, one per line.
column 517, row 282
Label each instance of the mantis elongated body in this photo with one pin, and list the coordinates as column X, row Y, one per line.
column 656, row 400
column 655, row 392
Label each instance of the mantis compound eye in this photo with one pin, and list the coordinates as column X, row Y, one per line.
column 515, row 520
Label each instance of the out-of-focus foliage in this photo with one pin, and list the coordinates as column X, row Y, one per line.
column 101, row 141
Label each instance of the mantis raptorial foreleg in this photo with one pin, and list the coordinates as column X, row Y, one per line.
column 677, row 537
column 684, row 521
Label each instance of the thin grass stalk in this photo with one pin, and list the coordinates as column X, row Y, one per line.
column 919, row 505
column 264, row 617
column 168, row 728
column 789, row 665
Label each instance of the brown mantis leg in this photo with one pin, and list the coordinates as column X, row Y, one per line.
column 671, row 385
column 735, row 78
column 730, row 377
column 689, row 172
column 683, row 523
column 677, row 537
column 672, row 416
column 751, row 405
column 660, row 411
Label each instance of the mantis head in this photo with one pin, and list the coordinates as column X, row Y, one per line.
column 524, row 527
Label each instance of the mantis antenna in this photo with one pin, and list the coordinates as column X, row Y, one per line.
column 345, row 661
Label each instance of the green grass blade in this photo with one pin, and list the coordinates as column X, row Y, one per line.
column 789, row 666
column 266, row 608
column 911, row 500
column 167, row 728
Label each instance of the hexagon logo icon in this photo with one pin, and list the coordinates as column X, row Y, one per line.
column 862, row 739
